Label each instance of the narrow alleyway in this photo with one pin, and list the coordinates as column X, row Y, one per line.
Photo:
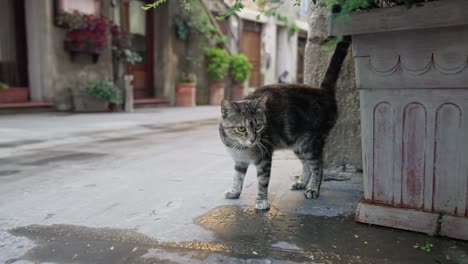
column 148, row 188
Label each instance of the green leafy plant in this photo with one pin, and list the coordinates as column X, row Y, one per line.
column 217, row 63
column 341, row 9
column 187, row 78
column 153, row 5
column 239, row 67
column 121, row 47
column 128, row 55
column 4, row 86
column 426, row 247
column 182, row 29
column 104, row 90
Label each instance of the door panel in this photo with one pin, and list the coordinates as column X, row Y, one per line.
column 139, row 25
column 251, row 48
column 13, row 59
column 301, row 43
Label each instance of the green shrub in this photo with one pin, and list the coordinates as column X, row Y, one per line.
column 104, row 90
column 4, row 86
column 217, row 63
column 239, row 67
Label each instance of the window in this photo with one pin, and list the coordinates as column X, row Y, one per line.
column 90, row 7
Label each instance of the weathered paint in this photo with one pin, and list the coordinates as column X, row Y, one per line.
column 414, row 153
column 456, row 227
column 446, row 160
column 408, row 219
column 383, row 147
column 414, row 99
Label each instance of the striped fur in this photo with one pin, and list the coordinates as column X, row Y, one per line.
column 294, row 116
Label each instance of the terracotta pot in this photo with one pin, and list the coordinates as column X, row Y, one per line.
column 216, row 93
column 185, row 94
column 237, row 92
column 14, row 95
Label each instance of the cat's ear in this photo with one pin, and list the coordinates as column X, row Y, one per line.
column 260, row 103
column 226, row 107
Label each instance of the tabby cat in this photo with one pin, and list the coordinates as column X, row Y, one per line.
column 277, row 116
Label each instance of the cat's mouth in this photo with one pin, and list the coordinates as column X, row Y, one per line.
column 249, row 144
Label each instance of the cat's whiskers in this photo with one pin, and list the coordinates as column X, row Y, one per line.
column 263, row 149
column 267, row 141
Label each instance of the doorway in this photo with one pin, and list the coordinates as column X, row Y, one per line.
column 301, row 44
column 251, row 37
column 13, row 50
column 138, row 23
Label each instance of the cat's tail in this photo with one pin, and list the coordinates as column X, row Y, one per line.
column 336, row 63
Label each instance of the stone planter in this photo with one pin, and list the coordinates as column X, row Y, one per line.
column 237, row 92
column 185, row 94
column 216, row 93
column 412, row 73
column 14, row 95
column 84, row 103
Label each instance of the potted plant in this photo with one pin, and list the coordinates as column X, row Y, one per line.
column 86, row 34
column 217, row 61
column 411, row 69
column 122, row 51
column 186, row 90
column 239, row 69
column 98, row 96
column 10, row 95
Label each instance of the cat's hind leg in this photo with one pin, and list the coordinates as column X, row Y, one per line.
column 309, row 150
column 301, row 182
column 237, row 181
column 313, row 186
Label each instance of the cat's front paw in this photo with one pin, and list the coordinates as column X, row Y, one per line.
column 298, row 185
column 311, row 194
column 231, row 194
column 262, row 205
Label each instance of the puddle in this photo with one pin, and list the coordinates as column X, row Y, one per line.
column 83, row 245
column 243, row 235
column 340, row 235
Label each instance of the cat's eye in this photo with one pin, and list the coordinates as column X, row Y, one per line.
column 258, row 126
column 241, row 129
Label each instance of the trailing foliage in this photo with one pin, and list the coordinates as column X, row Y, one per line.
column 196, row 19
column 185, row 3
column 122, row 50
column 217, row 61
column 104, row 90
column 239, row 67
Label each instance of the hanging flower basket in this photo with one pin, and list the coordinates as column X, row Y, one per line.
column 74, row 48
column 87, row 34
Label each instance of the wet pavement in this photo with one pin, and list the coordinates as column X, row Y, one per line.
column 148, row 188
